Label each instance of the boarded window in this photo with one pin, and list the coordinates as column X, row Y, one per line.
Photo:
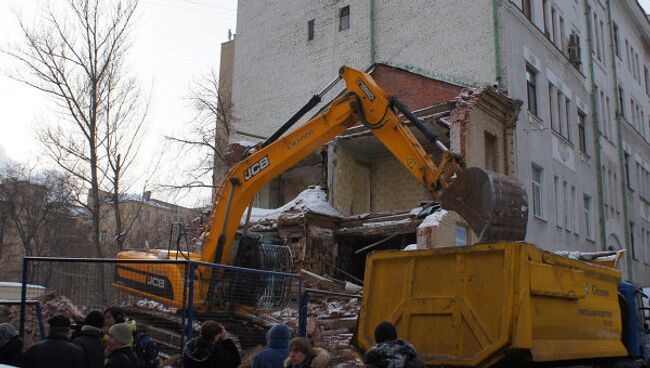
column 491, row 152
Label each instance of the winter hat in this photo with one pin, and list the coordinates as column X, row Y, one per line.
column 278, row 336
column 385, row 331
column 7, row 333
column 59, row 321
column 94, row 318
column 121, row 332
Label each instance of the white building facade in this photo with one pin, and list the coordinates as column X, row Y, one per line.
column 580, row 66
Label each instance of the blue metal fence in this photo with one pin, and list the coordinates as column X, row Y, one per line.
column 246, row 301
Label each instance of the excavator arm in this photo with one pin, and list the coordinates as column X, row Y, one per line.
column 494, row 205
column 362, row 101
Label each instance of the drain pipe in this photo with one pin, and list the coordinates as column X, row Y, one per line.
column 497, row 42
column 596, row 130
column 373, row 55
column 619, row 142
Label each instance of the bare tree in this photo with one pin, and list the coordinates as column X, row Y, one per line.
column 76, row 56
column 209, row 134
column 125, row 117
column 35, row 205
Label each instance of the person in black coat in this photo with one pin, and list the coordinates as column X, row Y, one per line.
column 389, row 351
column 119, row 344
column 90, row 339
column 56, row 351
column 212, row 349
column 11, row 346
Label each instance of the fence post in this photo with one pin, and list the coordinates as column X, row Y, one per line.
column 184, row 317
column 23, row 298
column 190, row 302
column 39, row 317
column 303, row 301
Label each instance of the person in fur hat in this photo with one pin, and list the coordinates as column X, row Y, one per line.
column 303, row 355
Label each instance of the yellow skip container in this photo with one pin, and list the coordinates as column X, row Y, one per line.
column 493, row 303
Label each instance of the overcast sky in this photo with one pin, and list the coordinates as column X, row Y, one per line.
column 175, row 42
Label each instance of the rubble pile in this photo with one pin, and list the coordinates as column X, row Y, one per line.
column 332, row 317
column 51, row 304
column 331, row 322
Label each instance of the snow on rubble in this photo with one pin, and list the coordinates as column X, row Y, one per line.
column 311, row 200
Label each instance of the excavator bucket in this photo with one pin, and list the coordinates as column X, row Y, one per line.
column 495, row 206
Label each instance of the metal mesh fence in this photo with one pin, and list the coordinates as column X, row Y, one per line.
column 166, row 299
column 246, row 301
column 147, row 292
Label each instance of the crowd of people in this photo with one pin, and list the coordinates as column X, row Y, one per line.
column 108, row 340
column 103, row 339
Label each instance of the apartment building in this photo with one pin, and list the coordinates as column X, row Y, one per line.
column 146, row 221
column 580, row 66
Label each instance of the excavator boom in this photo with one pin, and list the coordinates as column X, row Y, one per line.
column 494, row 205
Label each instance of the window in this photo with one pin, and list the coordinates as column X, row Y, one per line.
column 554, row 35
column 617, row 48
column 552, row 105
column 538, row 186
column 545, row 16
column 528, row 12
column 620, row 101
column 597, row 38
column 608, row 117
column 602, row 40
column 574, row 211
column 582, row 134
column 558, row 203
column 531, row 84
column 567, row 120
column 588, row 217
column 647, row 80
column 344, row 18
column 461, row 235
column 562, row 35
column 627, row 170
column 310, row 30
column 632, row 240
column 491, row 152
column 560, row 114
column 103, row 236
column 565, row 200
column 627, row 55
column 603, row 104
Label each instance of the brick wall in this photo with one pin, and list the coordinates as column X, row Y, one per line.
column 412, row 89
column 351, row 182
column 393, row 187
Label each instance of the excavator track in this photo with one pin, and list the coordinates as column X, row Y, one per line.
column 167, row 329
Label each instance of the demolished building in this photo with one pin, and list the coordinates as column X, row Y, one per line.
column 352, row 196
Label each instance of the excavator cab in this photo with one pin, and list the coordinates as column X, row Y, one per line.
column 259, row 290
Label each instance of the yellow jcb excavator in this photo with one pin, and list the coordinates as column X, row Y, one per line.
column 495, row 206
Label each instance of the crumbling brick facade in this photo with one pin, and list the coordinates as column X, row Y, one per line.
column 375, row 193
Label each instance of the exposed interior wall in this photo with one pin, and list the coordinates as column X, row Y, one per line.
column 393, row 188
column 350, row 192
